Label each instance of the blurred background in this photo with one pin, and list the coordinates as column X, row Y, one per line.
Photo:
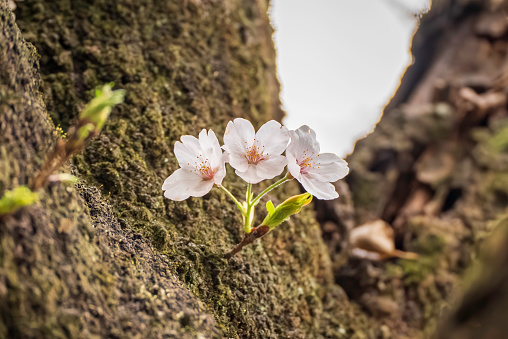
column 339, row 62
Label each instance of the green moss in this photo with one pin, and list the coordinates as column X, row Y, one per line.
column 66, row 265
column 185, row 66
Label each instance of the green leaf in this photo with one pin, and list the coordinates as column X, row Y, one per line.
column 282, row 212
column 98, row 110
column 84, row 131
column 14, row 199
column 269, row 207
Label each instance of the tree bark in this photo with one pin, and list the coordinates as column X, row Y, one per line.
column 111, row 257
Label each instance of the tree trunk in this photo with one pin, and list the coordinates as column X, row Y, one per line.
column 111, row 257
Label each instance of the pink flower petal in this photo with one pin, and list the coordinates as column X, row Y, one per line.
column 183, row 184
column 239, row 135
column 319, row 189
column 274, row 137
column 271, row 167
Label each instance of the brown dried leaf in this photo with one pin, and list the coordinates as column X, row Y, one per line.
column 485, row 101
column 375, row 241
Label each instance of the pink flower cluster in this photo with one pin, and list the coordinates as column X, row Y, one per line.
column 255, row 156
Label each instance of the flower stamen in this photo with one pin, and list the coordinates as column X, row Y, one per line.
column 254, row 154
column 305, row 164
column 204, row 169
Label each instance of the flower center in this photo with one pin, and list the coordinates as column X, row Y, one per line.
column 306, row 162
column 203, row 168
column 207, row 172
column 254, row 153
column 305, row 165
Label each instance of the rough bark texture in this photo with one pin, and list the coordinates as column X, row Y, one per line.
column 119, row 260
column 112, row 258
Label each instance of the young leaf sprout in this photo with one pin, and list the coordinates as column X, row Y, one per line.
column 90, row 123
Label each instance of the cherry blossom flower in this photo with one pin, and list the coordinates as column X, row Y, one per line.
column 256, row 156
column 313, row 170
column 202, row 165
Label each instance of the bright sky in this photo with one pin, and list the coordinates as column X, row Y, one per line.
column 339, row 62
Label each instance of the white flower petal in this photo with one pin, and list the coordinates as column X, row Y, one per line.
column 219, row 175
column 182, row 184
column 210, row 148
column 239, row 135
column 238, row 162
column 328, row 158
column 293, row 166
column 271, row 167
column 191, row 144
column 246, row 153
column 305, row 142
column 313, row 170
column 294, row 145
column 250, row 174
column 321, row 190
column 329, row 172
column 225, row 157
column 273, row 138
column 187, row 151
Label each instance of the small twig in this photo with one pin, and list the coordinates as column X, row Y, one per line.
column 55, row 160
column 249, row 238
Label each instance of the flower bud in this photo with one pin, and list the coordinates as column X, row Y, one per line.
column 277, row 215
column 98, row 110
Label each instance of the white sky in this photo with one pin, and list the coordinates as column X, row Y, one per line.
column 339, row 62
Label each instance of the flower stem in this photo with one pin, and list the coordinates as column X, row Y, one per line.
column 248, row 196
column 249, row 238
column 240, row 207
column 252, row 233
column 269, row 188
column 249, row 213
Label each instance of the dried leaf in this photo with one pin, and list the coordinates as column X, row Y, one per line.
column 375, row 241
column 484, row 101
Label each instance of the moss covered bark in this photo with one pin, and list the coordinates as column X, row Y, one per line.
column 113, row 258
column 120, row 260
column 67, row 268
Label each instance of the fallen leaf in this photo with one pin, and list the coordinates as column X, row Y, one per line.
column 375, row 241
